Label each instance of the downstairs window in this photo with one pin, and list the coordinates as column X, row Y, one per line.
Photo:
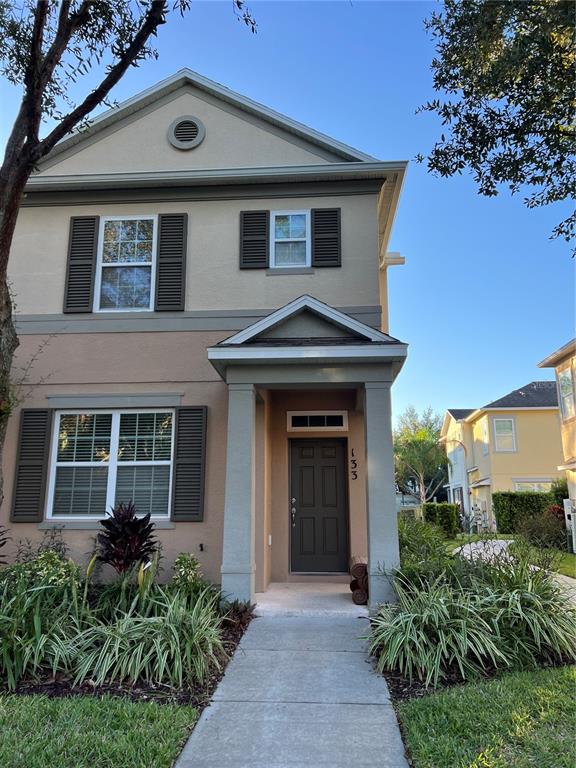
column 100, row 459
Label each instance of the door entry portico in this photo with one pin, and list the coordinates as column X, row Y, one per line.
column 318, row 506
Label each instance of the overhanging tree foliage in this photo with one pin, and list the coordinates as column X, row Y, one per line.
column 508, row 68
column 45, row 48
column 420, row 459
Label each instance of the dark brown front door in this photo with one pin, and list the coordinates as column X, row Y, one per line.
column 318, row 506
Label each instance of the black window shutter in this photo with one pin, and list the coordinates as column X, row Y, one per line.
column 189, row 464
column 326, row 245
column 31, row 466
column 254, row 239
column 81, row 267
column 171, row 260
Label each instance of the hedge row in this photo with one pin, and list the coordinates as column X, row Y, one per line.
column 443, row 515
column 511, row 507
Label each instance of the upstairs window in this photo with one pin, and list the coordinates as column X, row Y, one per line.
column 290, row 241
column 504, row 435
column 566, row 391
column 126, row 264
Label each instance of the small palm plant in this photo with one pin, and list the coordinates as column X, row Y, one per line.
column 127, row 540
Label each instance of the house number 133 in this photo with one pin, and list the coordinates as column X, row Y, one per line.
column 353, row 465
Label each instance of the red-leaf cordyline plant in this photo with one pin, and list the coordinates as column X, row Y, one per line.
column 127, row 540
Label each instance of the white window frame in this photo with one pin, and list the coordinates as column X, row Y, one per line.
column 495, row 436
column 100, row 264
column 570, row 372
column 531, row 481
column 112, row 465
column 343, row 428
column 273, row 240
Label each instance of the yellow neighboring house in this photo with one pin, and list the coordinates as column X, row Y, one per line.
column 511, row 444
column 564, row 362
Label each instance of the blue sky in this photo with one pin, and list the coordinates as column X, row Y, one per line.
column 484, row 294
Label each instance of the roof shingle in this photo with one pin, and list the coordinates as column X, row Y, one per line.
column 536, row 394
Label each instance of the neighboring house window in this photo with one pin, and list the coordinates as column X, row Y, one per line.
column 484, row 437
column 533, row 485
column 126, row 264
column 504, row 435
column 100, row 459
column 566, row 389
column 290, row 241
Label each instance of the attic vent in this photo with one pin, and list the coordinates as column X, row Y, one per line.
column 186, row 132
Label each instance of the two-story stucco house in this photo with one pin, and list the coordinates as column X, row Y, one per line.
column 511, row 444
column 563, row 361
column 211, row 279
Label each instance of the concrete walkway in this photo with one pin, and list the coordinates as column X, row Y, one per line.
column 299, row 692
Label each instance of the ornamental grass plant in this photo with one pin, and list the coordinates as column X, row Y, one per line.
column 468, row 618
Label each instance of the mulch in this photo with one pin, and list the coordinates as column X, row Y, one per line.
column 198, row 696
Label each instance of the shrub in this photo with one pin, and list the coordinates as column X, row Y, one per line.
column 545, row 531
column 444, row 515
column 177, row 641
column 556, row 511
column 127, row 540
column 52, row 541
column 187, row 575
column 431, row 630
column 559, row 491
column 512, row 506
column 39, row 607
column 419, row 541
column 477, row 617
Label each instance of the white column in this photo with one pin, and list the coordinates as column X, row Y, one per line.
column 383, row 550
column 238, row 566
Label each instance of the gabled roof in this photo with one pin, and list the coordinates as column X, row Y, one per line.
column 357, row 332
column 536, row 394
column 460, row 413
column 568, row 350
column 187, row 77
column 258, row 344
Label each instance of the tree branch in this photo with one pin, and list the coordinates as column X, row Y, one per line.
column 153, row 19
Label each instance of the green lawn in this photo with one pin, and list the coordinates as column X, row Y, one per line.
column 521, row 720
column 567, row 564
column 90, row 732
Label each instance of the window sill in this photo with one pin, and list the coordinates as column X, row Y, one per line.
column 278, row 271
column 93, row 525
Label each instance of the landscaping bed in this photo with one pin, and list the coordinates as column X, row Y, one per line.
column 88, row 664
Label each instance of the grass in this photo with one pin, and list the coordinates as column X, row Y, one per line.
column 84, row 732
column 520, row 720
column 567, row 564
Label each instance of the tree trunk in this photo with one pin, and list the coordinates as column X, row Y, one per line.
column 10, row 197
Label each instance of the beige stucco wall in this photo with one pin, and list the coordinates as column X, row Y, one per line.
column 148, row 363
column 213, row 279
column 131, row 364
column 233, row 139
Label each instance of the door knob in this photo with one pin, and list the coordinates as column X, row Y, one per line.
column 293, row 513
